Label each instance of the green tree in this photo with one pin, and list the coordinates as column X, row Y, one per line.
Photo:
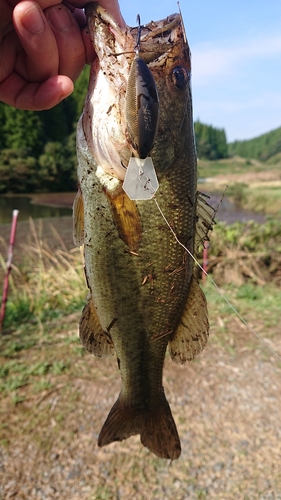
column 38, row 149
column 210, row 141
column 18, row 171
column 23, row 130
column 80, row 91
column 60, row 121
column 57, row 167
column 261, row 148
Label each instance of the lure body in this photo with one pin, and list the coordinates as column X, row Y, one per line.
column 142, row 108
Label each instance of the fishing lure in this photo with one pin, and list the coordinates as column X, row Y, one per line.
column 142, row 104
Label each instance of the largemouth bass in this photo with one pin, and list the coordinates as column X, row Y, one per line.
column 143, row 293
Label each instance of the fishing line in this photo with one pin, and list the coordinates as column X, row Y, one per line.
column 215, row 285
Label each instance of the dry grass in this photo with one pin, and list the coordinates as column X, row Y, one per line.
column 242, row 252
column 45, row 277
column 250, row 185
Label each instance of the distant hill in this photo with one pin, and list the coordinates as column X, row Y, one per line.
column 261, row 148
column 210, row 141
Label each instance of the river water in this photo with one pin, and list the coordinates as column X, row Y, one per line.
column 227, row 212
column 28, row 209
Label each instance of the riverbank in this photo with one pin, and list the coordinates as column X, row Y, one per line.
column 61, row 200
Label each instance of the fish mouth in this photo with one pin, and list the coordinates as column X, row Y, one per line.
column 157, row 37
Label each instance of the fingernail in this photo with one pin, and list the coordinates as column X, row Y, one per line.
column 32, row 20
column 60, row 18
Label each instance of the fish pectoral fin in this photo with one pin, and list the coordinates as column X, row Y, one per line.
column 78, row 219
column 205, row 215
column 92, row 336
column 156, row 427
column 192, row 333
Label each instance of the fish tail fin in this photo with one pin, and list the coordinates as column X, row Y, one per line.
column 160, row 433
column 156, row 427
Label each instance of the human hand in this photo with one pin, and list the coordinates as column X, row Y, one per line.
column 43, row 49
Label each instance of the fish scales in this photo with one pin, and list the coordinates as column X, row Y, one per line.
column 142, row 291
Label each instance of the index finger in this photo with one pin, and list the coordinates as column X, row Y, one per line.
column 38, row 41
column 112, row 6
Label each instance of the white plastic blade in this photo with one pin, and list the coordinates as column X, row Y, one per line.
column 140, row 181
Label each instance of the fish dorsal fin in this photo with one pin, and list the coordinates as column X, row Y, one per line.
column 205, row 215
column 192, row 333
column 78, row 219
column 92, row 336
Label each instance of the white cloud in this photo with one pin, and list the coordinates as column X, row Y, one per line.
column 212, row 61
column 242, row 118
column 259, row 100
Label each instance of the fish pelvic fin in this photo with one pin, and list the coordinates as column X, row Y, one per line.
column 192, row 332
column 91, row 333
column 155, row 425
column 126, row 218
column 78, row 219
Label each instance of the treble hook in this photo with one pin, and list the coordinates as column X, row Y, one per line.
column 140, row 27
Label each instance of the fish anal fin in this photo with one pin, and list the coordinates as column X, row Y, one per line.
column 192, row 332
column 78, row 219
column 155, row 425
column 92, row 335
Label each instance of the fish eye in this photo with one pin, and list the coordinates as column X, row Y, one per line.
column 180, row 77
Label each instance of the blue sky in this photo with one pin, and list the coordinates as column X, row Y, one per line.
column 236, row 59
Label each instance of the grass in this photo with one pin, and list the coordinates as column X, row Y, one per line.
column 251, row 185
column 235, row 165
column 245, row 253
column 264, row 200
column 250, row 300
column 207, row 169
column 260, row 199
column 45, row 284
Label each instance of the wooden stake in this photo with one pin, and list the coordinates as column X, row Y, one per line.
column 9, row 267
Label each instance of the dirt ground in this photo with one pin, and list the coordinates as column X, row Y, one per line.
column 271, row 178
